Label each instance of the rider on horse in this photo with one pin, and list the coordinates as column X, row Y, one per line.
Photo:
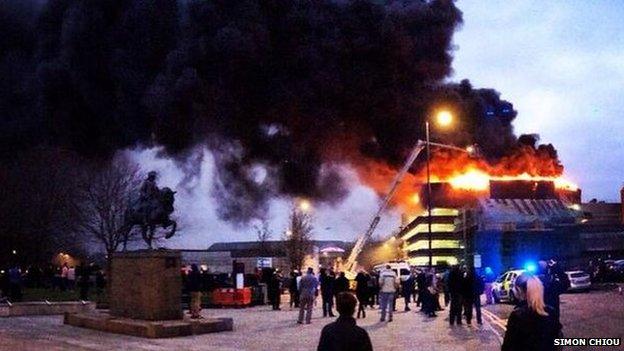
column 149, row 193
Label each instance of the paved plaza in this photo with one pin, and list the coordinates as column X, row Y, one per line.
column 256, row 328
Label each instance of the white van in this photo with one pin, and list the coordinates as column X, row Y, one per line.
column 401, row 268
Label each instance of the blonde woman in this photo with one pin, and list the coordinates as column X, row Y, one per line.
column 532, row 325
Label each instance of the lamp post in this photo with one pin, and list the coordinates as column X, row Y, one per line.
column 444, row 118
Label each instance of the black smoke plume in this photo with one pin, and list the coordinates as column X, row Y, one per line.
column 284, row 86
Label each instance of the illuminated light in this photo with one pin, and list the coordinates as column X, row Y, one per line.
column 415, row 199
column 15, row 252
column 470, row 149
column 472, row 180
column 288, row 232
column 435, row 228
column 305, row 205
column 424, row 261
column 435, row 244
column 444, row 118
column 530, row 267
column 575, row 207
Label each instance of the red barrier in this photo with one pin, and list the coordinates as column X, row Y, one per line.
column 232, row 297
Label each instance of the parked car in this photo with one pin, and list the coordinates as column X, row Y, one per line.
column 618, row 269
column 502, row 288
column 579, row 280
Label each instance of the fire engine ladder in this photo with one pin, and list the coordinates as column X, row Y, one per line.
column 351, row 262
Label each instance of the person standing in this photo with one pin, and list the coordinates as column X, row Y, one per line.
column 84, row 274
column 71, row 277
column 194, row 288
column 420, row 284
column 15, row 283
column 327, row 292
column 489, row 278
column 478, row 288
column 308, row 286
column 532, row 325
column 361, row 291
column 373, row 290
column 344, row 334
column 555, row 282
column 275, row 290
column 388, row 286
column 407, row 289
column 445, row 289
column 293, row 289
column 430, row 295
column 341, row 284
column 455, row 287
column 64, row 272
column 467, row 293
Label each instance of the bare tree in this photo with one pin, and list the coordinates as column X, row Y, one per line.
column 264, row 234
column 106, row 197
column 298, row 237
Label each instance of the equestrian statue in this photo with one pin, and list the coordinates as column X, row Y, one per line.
column 151, row 208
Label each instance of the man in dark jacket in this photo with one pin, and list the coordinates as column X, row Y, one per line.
column 194, row 288
column 455, row 288
column 275, row 290
column 341, row 284
column 344, row 334
column 421, row 279
column 361, row 291
column 327, row 292
column 407, row 288
column 555, row 283
column 293, row 289
column 467, row 293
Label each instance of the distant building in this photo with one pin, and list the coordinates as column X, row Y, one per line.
column 602, row 231
column 219, row 257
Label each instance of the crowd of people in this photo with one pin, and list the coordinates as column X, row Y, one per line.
column 533, row 325
column 81, row 279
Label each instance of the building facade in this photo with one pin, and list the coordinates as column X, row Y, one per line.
column 220, row 257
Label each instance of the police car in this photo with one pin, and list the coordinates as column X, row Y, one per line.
column 502, row 288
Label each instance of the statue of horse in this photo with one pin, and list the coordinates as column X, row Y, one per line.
column 150, row 215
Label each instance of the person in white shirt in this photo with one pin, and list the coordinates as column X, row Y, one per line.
column 64, row 272
column 388, row 284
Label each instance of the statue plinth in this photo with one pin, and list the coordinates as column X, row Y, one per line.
column 146, row 285
column 146, row 301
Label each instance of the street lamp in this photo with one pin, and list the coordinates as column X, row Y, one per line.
column 444, row 118
column 305, row 205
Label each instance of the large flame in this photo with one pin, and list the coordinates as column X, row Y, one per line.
column 463, row 173
column 478, row 180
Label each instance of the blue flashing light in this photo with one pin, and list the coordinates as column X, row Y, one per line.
column 530, row 267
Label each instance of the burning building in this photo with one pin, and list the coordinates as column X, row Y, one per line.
column 506, row 221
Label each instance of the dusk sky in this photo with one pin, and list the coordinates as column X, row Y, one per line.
column 561, row 64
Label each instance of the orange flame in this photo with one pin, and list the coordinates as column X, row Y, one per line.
column 463, row 173
column 478, row 180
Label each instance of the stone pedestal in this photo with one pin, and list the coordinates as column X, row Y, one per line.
column 146, row 285
column 145, row 300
